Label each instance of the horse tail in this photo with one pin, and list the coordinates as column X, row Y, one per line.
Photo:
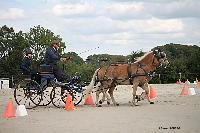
column 91, row 85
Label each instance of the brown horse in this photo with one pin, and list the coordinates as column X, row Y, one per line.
column 137, row 74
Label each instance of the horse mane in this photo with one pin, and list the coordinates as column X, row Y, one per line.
column 139, row 59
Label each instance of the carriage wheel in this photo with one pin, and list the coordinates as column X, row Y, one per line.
column 77, row 97
column 27, row 92
column 58, row 97
column 46, row 92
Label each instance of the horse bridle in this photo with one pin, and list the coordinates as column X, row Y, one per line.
column 158, row 54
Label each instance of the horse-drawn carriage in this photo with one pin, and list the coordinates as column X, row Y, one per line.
column 44, row 89
column 49, row 90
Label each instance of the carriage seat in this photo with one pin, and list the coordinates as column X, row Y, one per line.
column 46, row 72
column 46, row 69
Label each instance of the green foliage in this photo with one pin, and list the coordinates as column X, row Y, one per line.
column 105, row 59
column 10, row 45
column 74, row 57
column 184, row 62
column 134, row 55
column 77, row 65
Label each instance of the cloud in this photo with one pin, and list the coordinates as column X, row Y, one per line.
column 155, row 25
column 116, row 26
column 126, row 11
column 72, row 9
column 12, row 14
column 124, row 8
column 175, row 9
column 138, row 9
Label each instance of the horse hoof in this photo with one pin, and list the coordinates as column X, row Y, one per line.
column 151, row 102
column 134, row 105
column 99, row 106
column 117, row 104
column 108, row 103
column 100, row 102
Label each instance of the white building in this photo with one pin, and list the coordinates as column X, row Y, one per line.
column 4, row 83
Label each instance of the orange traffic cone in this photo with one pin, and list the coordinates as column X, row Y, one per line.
column 69, row 105
column 152, row 93
column 178, row 82
column 89, row 101
column 68, row 100
column 185, row 90
column 9, row 112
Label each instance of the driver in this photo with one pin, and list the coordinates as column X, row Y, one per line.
column 52, row 57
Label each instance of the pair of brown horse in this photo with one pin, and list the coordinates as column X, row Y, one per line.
column 136, row 74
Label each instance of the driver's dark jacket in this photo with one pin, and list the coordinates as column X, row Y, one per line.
column 51, row 56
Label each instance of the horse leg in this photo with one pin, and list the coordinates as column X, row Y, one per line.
column 97, row 98
column 104, row 95
column 98, row 91
column 146, row 88
column 134, row 95
column 112, row 97
column 108, row 98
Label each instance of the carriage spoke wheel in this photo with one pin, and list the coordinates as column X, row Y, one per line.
column 46, row 92
column 27, row 92
column 77, row 97
column 58, row 97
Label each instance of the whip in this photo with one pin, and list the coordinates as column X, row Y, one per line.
column 89, row 50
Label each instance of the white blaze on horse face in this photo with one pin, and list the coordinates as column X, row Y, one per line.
column 164, row 62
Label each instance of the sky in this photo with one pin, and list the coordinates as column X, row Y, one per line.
column 115, row 27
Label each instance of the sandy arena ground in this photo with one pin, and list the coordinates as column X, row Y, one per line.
column 182, row 113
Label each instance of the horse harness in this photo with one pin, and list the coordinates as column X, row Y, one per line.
column 131, row 75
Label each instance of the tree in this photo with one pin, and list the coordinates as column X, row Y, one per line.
column 183, row 59
column 11, row 45
column 134, row 55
